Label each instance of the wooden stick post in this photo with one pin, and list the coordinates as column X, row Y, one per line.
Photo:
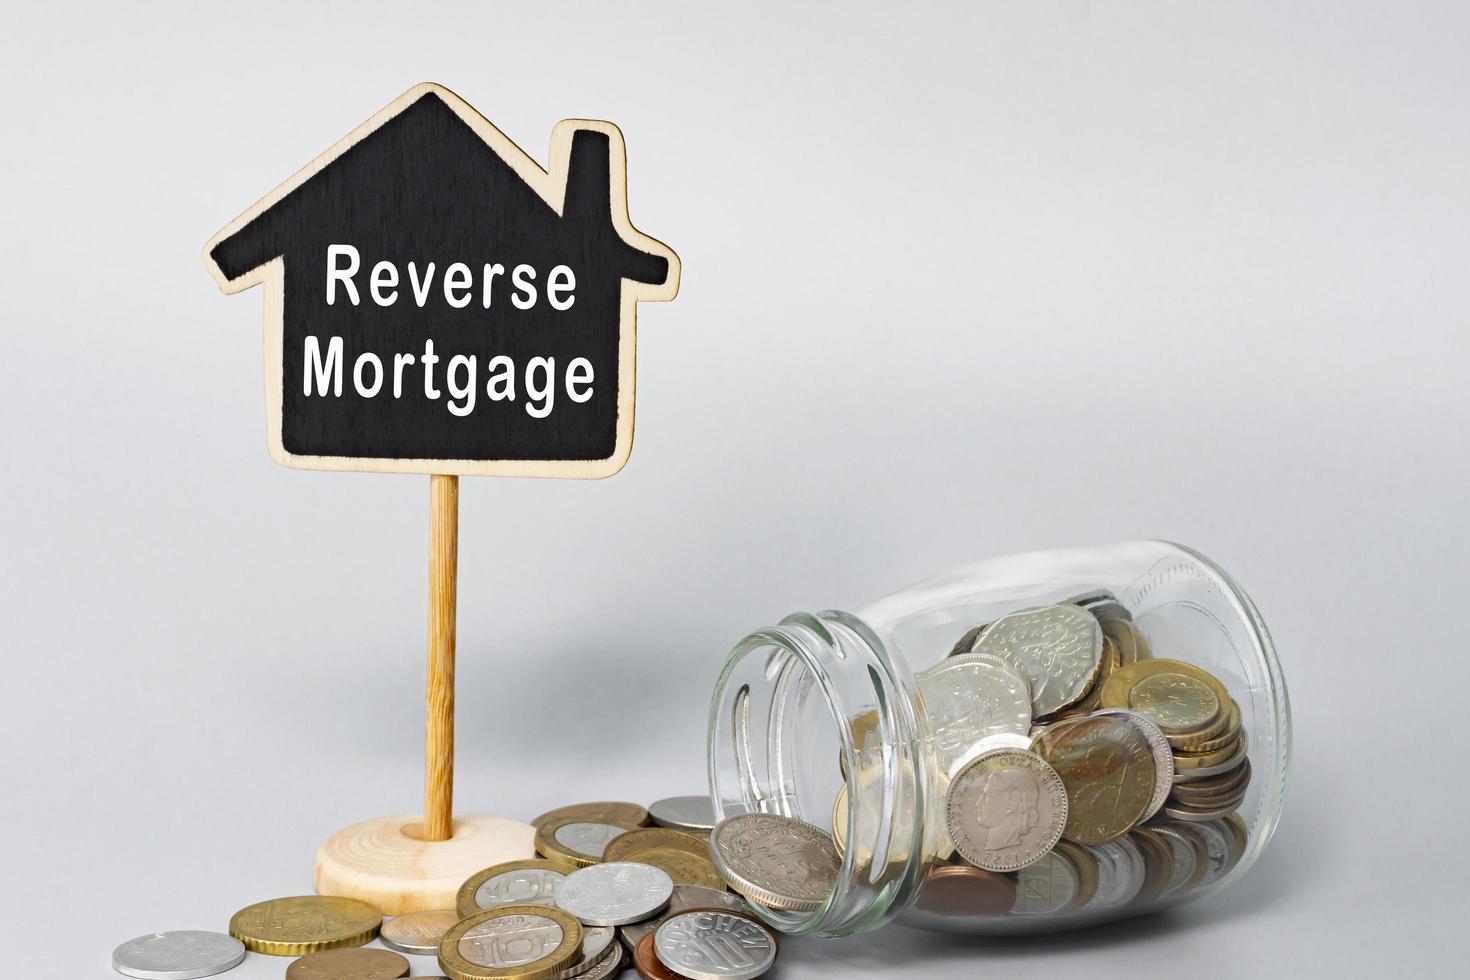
column 439, row 695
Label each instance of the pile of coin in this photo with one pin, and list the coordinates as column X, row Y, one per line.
column 1080, row 773
column 615, row 885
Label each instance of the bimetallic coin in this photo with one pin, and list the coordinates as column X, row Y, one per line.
column 603, row 811
column 180, row 955
column 967, row 699
column 1046, row 886
column 1107, row 765
column 962, row 891
column 685, row 897
column 615, row 893
column 512, row 942
column 595, row 943
column 1163, row 756
column 1005, row 810
column 575, row 841
column 713, row 945
column 305, row 924
column 349, row 964
column 692, row 813
column 419, row 933
column 1057, row 649
column 531, row 882
column 775, row 860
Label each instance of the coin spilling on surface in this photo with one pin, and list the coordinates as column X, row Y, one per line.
column 685, row 897
column 602, row 811
column 349, row 964
column 615, row 893
column 305, row 924
column 418, row 933
column 692, row 813
column 596, row 941
column 181, row 955
column 709, row 944
column 512, row 942
column 1005, row 810
column 778, row 861
column 529, row 882
column 577, row 841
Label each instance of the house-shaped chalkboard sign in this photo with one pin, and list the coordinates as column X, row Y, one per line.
column 438, row 303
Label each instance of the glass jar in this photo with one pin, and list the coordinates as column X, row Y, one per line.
column 823, row 719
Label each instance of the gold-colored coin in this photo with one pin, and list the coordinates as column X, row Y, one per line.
column 602, row 811
column 530, row 882
column 1158, row 864
column 1107, row 766
column 577, row 841
column 349, row 964
column 512, row 942
column 684, row 868
column 1087, row 871
column 1132, row 644
column 305, row 924
column 1180, row 698
column 839, row 821
column 1202, row 760
column 1226, row 736
column 624, row 847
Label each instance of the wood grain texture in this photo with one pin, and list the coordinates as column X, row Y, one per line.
column 387, row 863
column 439, row 692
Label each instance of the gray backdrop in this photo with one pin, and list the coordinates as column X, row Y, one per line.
column 959, row 280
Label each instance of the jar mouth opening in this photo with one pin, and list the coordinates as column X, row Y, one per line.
column 784, row 693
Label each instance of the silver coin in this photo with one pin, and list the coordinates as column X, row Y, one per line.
column 968, row 699
column 1186, row 862
column 524, row 886
column 1006, row 809
column 685, row 897
column 1201, row 816
column 692, row 813
column 511, row 940
column 587, row 837
column 966, row 643
column 615, row 893
column 1057, row 649
column 178, row 955
column 1158, row 745
column 418, row 933
column 1120, row 876
column 1190, row 775
column 712, row 945
column 611, row 963
column 595, row 941
column 1219, row 847
column 1046, row 886
column 777, row 861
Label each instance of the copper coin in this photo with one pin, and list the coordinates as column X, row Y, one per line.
column 646, row 962
column 962, row 890
column 349, row 964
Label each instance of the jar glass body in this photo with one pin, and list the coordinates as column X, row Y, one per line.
column 821, row 719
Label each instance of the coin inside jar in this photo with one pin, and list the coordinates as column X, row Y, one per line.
column 960, row 890
column 349, row 964
column 1107, row 766
column 1057, row 649
column 777, row 861
column 1005, row 810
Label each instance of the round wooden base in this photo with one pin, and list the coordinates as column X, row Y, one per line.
column 386, row 863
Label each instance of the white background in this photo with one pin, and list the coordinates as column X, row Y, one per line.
column 959, row 280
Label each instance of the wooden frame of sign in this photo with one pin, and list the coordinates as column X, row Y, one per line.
column 506, row 266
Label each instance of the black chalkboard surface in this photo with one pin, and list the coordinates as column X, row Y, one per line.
column 437, row 303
